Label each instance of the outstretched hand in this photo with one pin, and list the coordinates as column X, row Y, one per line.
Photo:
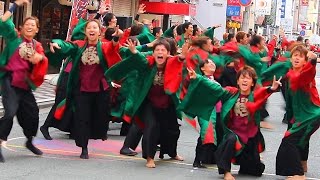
column 276, row 83
column 104, row 8
column 132, row 46
column 141, row 9
column 54, row 46
column 192, row 73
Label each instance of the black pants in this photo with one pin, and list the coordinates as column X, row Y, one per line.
column 18, row 102
column 160, row 126
column 290, row 155
column 133, row 137
column 249, row 159
column 65, row 123
column 92, row 116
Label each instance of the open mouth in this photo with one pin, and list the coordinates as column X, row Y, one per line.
column 29, row 30
column 160, row 57
column 244, row 85
column 92, row 34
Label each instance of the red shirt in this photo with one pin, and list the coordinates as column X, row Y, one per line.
column 91, row 73
column 19, row 67
column 157, row 95
column 239, row 122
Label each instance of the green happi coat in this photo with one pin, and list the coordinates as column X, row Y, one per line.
column 203, row 94
column 138, row 90
column 302, row 99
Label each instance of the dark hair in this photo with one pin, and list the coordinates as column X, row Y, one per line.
column 156, row 30
column 134, row 39
column 300, row 38
column 108, row 34
column 301, row 49
column 247, row 70
column 173, row 46
column 179, row 29
column 195, row 29
column 305, row 41
column 240, row 35
column 161, row 42
column 185, row 26
column 230, row 36
column 107, row 18
column 202, row 63
column 136, row 29
column 255, row 40
column 200, row 41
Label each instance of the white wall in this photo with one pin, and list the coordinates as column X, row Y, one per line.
column 209, row 15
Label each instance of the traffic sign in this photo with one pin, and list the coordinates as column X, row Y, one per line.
column 245, row 2
column 302, row 33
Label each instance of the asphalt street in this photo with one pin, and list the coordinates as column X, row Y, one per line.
column 61, row 156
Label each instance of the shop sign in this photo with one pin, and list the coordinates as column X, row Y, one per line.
column 233, row 10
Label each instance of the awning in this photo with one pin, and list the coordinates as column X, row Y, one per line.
column 169, row 8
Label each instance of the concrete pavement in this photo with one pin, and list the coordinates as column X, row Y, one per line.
column 61, row 159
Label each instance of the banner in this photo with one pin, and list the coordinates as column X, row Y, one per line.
column 78, row 11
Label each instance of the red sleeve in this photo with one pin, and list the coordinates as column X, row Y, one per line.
column 173, row 75
column 271, row 46
column 304, row 78
column 260, row 97
column 125, row 36
column 111, row 53
column 39, row 70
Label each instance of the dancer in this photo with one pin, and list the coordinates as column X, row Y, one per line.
column 242, row 141
column 24, row 66
column 149, row 105
column 87, row 88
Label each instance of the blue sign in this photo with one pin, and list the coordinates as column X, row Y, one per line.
column 302, row 33
column 283, row 9
column 245, row 2
column 233, row 10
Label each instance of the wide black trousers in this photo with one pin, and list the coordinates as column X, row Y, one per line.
column 249, row 159
column 160, row 126
column 290, row 155
column 21, row 103
column 92, row 116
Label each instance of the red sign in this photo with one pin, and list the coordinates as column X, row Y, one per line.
column 233, row 2
column 237, row 18
column 304, row 2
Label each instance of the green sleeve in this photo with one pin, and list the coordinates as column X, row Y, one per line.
column 250, row 58
column 145, row 36
column 78, row 32
column 125, row 52
column 7, row 30
column 278, row 69
column 218, row 60
column 210, row 33
column 202, row 97
column 133, row 62
column 169, row 32
column 67, row 49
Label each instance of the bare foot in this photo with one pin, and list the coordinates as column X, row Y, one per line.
column 266, row 125
column 228, row 176
column 150, row 163
column 304, row 165
column 178, row 158
column 296, row 177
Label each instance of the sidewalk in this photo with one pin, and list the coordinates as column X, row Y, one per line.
column 44, row 95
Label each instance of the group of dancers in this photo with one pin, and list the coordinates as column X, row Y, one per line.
column 148, row 79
